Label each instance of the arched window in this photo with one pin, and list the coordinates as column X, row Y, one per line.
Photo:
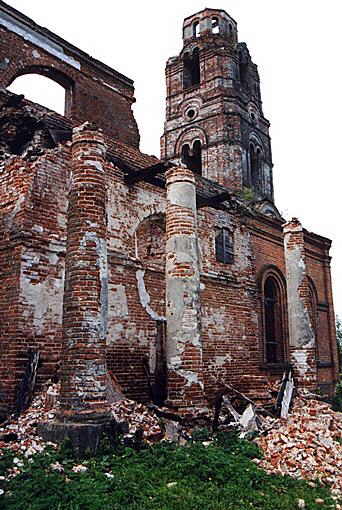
column 255, row 162
column 41, row 90
column 192, row 158
column 273, row 313
column 215, row 27
column 312, row 305
column 191, row 69
column 196, row 29
column 254, row 165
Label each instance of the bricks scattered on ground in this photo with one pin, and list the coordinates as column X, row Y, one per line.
column 307, row 445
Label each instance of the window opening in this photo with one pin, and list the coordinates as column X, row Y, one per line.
column 255, row 157
column 273, row 322
column 191, row 69
column 196, row 29
column 191, row 113
column 224, row 246
column 41, row 90
column 193, row 158
column 215, row 28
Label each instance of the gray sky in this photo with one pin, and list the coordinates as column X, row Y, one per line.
column 296, row 45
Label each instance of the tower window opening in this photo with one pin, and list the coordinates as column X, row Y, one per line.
column 215, row 27
column 224, row 246
column 191, row 69
column 255, row 157
column 196, row 29
column 191, row 113
column 192, row 158
column 274, row 348
column 230, row 28
column 243, row 73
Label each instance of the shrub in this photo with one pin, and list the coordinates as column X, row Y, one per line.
column 337, row 398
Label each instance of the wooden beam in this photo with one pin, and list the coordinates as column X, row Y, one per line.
column 212, row 201
column 146, row 174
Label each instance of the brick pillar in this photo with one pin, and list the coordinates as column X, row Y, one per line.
column 83, row 366
column 183, row 314
column 302, row 342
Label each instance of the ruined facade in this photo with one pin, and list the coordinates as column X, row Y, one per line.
column 178, row 273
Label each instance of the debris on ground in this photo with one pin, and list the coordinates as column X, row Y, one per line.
column 134, row 417
column 19, row 434
column 307, row 445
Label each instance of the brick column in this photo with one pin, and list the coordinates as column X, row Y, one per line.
column 84, row 407
column 183, row 314
column 302, row 342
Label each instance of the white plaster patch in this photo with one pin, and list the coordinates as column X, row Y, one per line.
column 300, row 327
column 37, row 228
column 215, row 319
column 145, row 297
column 300, row 358
column 243, row 249
column 8, row 220
column 38, row 39
column 94, row 163
column 115, row 332
column 182, row 194
column 117, row 301
column 219, row 361
column 190, row 377
column 101, row 250
column 44, row 299
column 35, row 54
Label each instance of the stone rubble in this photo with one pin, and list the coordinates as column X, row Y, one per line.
column 308, row 445
column 137, row 417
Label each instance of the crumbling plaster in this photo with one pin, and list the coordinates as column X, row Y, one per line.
column 301, row 330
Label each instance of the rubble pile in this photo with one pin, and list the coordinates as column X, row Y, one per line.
column 136, row 417
column 306, row 445
column 19, row 434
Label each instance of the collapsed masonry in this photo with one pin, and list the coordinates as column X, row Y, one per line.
column 176, row 274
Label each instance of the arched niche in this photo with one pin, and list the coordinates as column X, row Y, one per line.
column 150, row 240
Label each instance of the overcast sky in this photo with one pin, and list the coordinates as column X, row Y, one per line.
column 296, row 45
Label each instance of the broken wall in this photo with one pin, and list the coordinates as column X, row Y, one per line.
column 33, row 210
column 94, row 91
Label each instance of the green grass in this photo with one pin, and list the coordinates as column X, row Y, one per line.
column 220, row 476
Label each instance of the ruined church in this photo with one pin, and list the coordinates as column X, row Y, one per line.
column 177, row 274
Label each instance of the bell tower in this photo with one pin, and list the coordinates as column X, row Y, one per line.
column 214, row 119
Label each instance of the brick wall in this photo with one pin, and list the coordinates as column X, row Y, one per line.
column 94, row 92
